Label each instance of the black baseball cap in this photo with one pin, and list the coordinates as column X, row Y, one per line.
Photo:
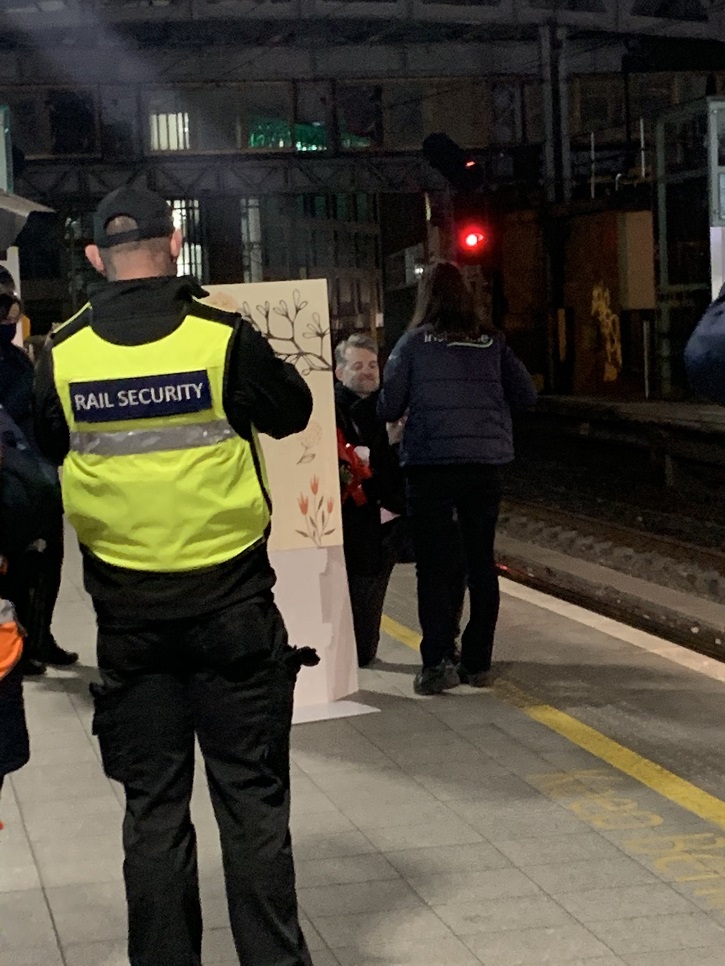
column 150, row 211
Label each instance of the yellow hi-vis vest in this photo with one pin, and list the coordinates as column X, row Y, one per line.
column 156, row 479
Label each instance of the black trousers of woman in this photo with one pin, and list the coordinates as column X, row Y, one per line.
column 437, row 497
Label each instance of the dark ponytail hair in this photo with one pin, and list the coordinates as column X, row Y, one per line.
column 6, row 304
column 445, row 302
column 7, row 282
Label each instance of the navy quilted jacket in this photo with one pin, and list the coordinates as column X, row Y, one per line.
column 458, row 396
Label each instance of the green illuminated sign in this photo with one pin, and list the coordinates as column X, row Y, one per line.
column 270, row 135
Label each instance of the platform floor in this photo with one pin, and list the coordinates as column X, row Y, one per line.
column 573, row 815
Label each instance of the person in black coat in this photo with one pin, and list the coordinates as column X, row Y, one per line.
column 16, row 368
column 36, row 574
column 374, row 532
column 14, row 744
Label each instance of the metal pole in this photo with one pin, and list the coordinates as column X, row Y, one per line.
column 593, row 159
column 642, row 158
column 661, row 334
column 73, row 267
column 563, row 85
column 646, row 353
column 545, row 37
column 6, row 178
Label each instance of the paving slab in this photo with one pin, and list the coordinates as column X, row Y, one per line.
column 460, row 829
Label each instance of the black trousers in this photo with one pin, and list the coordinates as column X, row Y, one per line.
column 228, row 678
column 33, row 584
column 368, row 590
column 438, row 496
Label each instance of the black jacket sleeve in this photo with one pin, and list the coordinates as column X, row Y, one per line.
column 51, row 429
column 262, row 390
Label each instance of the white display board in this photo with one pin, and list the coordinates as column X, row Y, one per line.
column 306, row 538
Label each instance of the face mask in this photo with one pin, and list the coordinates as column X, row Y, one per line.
column 7, row 334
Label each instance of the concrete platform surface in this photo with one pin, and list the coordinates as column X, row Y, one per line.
column 572, row 815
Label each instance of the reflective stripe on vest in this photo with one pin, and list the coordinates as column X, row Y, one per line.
column 131, row 442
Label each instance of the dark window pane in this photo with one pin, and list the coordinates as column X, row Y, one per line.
column 53, row 121
column 269, row 116
column 363, row 204
column 359, row 115
column 403, row 119
column 73, row 128
column 342, row 207
column 312, row 116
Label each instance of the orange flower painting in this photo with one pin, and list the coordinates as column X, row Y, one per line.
column 317, row 510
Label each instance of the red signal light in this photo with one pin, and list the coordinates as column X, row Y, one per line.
column 470, row 164
column 473, row 239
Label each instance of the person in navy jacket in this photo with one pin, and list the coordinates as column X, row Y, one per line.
column 458, row 382
column 705, row 352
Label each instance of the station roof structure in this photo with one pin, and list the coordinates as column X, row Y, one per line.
column 339, row 21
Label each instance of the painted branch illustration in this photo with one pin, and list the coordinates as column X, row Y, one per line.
column 282, row 325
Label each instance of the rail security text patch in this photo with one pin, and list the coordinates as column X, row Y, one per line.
column 140, row 397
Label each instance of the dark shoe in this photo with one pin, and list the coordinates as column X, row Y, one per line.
column 29, row 667
column 58, row 656
column 435, row 680
column 475, row 679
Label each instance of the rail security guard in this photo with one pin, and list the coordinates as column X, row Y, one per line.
column 148, row 414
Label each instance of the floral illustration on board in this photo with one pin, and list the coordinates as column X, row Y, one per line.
column 310, row 439
column 282, row 326
column 317, row 509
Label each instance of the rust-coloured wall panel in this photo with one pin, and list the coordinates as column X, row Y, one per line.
column 592, row 260
column 523, row 266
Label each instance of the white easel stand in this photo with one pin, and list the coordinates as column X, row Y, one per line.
column 313, row 597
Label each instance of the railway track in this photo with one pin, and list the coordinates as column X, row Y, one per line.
column 704, row 635
column 641, row 541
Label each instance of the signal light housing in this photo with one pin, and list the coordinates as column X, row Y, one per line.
column 455, row 164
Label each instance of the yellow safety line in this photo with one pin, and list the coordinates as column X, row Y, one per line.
column 649, row 773
column 400, row 632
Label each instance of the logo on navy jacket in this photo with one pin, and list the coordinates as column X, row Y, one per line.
column 140, row 397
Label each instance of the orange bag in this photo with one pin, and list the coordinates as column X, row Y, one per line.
column 11, row 638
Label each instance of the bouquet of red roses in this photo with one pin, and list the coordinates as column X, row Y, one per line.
column 353, row 471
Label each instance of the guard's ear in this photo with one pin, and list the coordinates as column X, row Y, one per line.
column 176, row 244
column 94, row 257
column 338, row 373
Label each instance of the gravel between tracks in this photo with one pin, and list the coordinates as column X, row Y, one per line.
column 638, row 555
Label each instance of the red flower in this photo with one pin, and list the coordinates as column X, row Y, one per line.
column 330, row 504
column 304, row 504
column 315, row 485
